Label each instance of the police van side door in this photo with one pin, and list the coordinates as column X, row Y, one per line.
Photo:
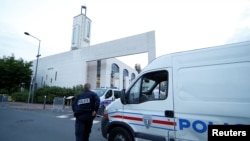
column 150, row 111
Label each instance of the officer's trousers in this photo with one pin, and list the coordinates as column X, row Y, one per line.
column 83, row 129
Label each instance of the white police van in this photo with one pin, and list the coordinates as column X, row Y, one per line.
column 107, row 95
column 178, row 95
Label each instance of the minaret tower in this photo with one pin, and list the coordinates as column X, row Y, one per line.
column 81, row 30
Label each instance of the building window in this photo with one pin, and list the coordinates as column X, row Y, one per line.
column 55, row 76
column 75, row 35
column 42, row 81
column 114, row 75
column 87, row 29
column 98, row 74
column 132, row 76
column 125, row 75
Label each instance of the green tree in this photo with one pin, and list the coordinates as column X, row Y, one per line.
column 14, row 74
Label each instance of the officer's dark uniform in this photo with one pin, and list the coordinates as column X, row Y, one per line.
column 83, row 106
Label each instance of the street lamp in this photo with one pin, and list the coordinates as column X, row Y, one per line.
column 37, row 58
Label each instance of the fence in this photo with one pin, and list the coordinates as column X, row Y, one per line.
column 4, row 100
column 58, row 104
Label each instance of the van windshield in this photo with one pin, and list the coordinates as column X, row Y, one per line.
column 99, row 92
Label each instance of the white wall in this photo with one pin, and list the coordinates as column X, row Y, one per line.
column 92, row 73
column 71, row 66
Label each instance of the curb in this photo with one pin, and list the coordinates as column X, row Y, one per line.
column 34, row 106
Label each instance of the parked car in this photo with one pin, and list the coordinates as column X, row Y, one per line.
column 107, row 95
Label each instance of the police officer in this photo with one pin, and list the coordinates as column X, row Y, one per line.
column 85, row 107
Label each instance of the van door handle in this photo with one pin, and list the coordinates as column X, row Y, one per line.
column 169, row 113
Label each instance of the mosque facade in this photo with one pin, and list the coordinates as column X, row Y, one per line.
column 96, row 64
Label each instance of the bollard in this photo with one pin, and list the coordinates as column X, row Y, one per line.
column 44, row 102
column 64, row 102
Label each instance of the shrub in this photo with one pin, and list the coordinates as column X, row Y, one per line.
column 51, row 92
column 20, row 96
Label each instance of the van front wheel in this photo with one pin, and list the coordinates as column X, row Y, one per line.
column 119, row 134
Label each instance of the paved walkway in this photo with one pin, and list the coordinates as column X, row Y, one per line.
column 34, row 106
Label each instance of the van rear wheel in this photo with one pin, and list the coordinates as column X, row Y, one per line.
column 119, row 134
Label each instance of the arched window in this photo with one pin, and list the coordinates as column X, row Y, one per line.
column 125, row 72
column 132, row 76
column 114, row 75
column 115, row 68
column 125, row 75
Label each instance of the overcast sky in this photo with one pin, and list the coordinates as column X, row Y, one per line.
column 179, row 25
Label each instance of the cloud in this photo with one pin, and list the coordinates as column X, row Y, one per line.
column 242, row 30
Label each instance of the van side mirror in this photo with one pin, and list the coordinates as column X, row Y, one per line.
column 123, row 97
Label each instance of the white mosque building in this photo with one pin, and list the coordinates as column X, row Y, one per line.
column 95, row 64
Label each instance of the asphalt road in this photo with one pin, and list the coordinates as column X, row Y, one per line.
column 41, row 125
